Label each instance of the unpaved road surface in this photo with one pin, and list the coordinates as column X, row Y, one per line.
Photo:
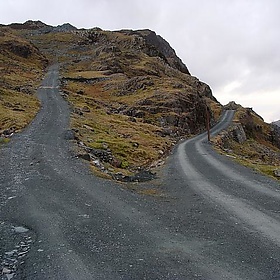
column 215, row 219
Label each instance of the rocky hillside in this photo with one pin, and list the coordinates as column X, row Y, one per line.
column 276, row 123
column 251, row 141
column 21, row 66
column 132, row 98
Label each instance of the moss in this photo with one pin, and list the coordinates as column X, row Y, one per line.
column 4, row 140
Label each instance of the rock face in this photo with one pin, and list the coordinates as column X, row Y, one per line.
column 66, row 27
column 163, row 91
column 275, row 134
column 41, row 27
column 163, row 47
column 237, row 133
column 30, row 25
column 276, row 123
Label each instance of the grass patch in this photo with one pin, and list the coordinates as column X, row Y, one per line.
column 254, row 155
column 4, row 141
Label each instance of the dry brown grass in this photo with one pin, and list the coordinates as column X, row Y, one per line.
column 257, row 152
column 20, row 77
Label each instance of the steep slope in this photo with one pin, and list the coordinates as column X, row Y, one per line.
column 21, row 65
column 131, row 99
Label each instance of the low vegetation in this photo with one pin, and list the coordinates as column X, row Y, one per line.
column 131, row 97
column 257, row 149
column 21, row 70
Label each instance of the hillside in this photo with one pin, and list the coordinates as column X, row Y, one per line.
column 21, row 70
column 251, row 141
column 132, row 98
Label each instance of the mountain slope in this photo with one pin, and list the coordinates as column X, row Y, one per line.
column 21, row 65
column 251, row 141
column 132, row 98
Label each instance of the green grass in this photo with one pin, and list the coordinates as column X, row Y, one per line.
column 4, row 141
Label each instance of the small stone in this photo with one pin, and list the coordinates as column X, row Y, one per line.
column 86, row 109
column 277, row 173
column 69, row 135
column 6, row 271
column 135, row 144
column 20, row 229
column 84, row 156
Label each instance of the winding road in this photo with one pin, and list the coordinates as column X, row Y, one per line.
column 215, row 219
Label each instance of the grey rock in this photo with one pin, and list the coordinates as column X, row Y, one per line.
column 277, row 173
column 84, row 156
column 275, row 134
column 69, row 135
column 238, row 134
column 103, row 155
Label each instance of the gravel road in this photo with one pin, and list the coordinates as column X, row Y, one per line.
column 214, row 219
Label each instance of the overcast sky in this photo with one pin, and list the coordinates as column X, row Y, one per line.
column 232, row 45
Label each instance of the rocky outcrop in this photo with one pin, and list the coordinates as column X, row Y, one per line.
column 234, row 132
column 164, row 48
column 10, row 44
column 21, row 49
column 275, row 134
column 237, row 133
column 40, row 27
column 66, row 27
column 276, row 123
column 29, row 25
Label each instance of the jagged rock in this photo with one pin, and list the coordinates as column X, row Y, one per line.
column 8, row 132
column 234, row 132
column 66, row 27
column 141, row 176
column 237, row 133
column 103, row 155
column 162, row 47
